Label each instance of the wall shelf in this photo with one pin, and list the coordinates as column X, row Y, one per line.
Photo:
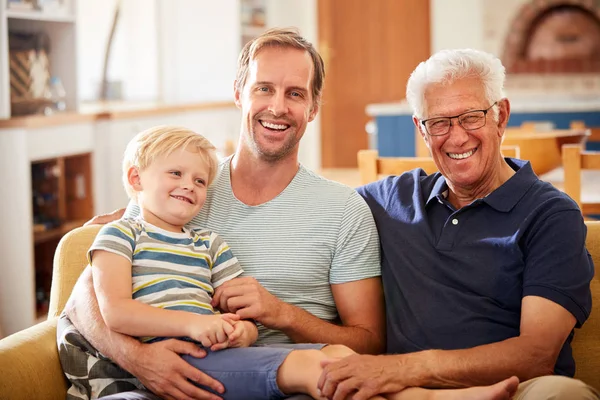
column 36, row 15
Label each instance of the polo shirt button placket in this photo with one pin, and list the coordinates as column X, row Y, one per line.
column 454, row 221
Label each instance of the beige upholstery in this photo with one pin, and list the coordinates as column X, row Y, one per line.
column 29, row 361
column 586, row 344
column 30, row 368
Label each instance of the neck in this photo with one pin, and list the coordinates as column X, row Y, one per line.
column 151, row 218
column 255, row 180
column 460, row 196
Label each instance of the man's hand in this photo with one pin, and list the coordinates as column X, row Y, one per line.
column 212, row 329
column 106, row 218
column 162, row 370
column 360, row 377
column 248, row 299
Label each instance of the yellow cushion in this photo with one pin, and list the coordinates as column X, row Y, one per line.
column 586, row 343
column 69, row 262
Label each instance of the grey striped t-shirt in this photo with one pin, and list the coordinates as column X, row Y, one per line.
column 313, row 234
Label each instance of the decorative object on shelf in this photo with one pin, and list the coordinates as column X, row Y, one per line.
column 29, row 73
column 20, row 5
column 110, row 90
column 253, row 19
column 48, row 5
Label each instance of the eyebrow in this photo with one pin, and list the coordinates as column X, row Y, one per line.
column 267, row 83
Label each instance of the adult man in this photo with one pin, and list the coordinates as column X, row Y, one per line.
column 308, row 246
column 485, row 269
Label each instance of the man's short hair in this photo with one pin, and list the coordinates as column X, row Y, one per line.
column 286, row 37
column 160, row 141
column 448, row 66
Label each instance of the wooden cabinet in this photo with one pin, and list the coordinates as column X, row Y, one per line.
column 62, row 199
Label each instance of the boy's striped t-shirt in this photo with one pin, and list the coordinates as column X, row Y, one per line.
column 175, row 271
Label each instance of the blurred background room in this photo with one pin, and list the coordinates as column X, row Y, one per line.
column 79, row 78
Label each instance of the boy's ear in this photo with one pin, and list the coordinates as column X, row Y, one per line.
column 133, row 177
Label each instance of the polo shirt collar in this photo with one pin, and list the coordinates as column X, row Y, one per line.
column 506, row 196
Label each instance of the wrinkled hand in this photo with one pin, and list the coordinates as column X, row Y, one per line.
column 248, row 299
column 360, row 377
column 161, row 369
column 212, row 329
column 106, row 218
column 244, row 334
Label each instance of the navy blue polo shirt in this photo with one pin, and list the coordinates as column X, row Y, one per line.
column 454, row 279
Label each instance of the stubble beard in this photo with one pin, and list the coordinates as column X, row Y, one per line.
column 278, row 154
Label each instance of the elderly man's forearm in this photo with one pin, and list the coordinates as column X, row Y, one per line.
column 482, row 365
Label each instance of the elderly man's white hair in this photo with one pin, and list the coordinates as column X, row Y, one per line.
column 448, row 66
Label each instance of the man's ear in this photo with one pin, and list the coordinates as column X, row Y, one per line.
column 503, row 115
column 314, row 111
column 237, row 95
column 419, row 126
column 133, row 178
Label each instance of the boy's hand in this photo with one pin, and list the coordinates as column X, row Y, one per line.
column 244, row 334
column 212, row 329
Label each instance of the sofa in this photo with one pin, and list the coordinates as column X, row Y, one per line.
column 30, row 369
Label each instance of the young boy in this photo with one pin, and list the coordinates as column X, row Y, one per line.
column 154, row 278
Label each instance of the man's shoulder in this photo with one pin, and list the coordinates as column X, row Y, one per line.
column 310, row 182
column 545, row 194
column 406, row 183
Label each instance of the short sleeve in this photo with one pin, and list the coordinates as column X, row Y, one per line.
column 225, row 265
column 116, row 237
column 558, row 266
column 357, row 252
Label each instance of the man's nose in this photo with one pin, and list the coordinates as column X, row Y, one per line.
column 458, row 134
column 278, row 105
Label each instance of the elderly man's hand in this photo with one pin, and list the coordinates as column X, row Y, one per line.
column 248, row 299
column 106, row 218
column 360, row 377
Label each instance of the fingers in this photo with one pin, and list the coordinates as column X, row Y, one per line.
column 230, row 317
column 106, row 218
column 220, row 346
column 199, row 377
column 182, row 347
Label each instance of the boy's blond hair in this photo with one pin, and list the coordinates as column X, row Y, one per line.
column 159, row 141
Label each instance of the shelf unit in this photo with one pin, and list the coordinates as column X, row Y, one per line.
column 60, row 26
column 62, row 200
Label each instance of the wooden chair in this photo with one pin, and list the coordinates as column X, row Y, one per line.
column 594, row 131
column 575, row 159
column 371, row 166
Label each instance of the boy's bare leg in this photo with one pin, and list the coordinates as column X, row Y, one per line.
column 300, row 372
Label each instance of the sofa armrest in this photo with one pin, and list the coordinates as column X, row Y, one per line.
column 30, row 368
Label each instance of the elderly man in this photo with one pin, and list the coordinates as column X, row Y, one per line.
column 485, row 269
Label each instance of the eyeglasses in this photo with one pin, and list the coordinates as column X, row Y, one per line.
column 469, row 121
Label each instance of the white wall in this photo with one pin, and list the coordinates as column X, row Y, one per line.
column 134, row 53
column 456, row 24
column 198, row 48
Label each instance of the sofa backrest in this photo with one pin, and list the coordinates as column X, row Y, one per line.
column 69, row 262
column 586, row 343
